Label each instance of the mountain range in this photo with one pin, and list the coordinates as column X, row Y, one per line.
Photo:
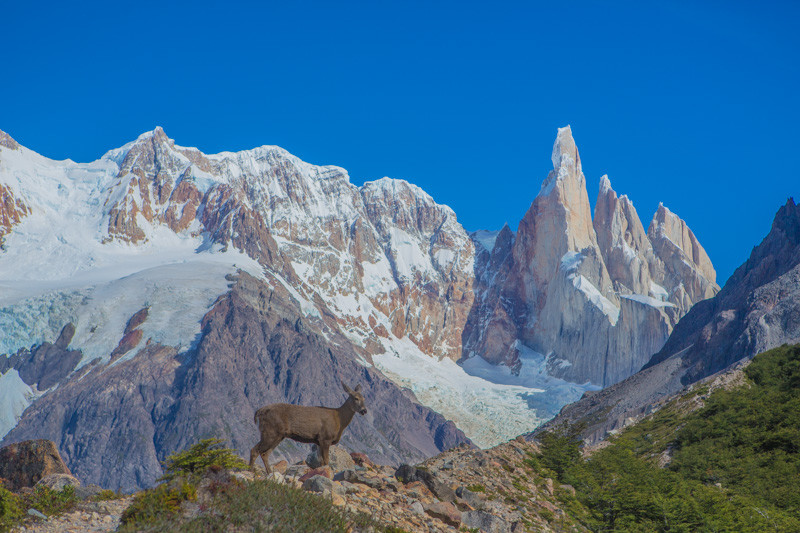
column 160, row 294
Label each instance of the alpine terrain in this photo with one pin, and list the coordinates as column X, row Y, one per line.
column 160, row 294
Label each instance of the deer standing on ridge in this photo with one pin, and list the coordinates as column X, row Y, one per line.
column 322, row 426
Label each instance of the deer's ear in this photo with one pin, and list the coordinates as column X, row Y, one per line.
column 358, row 387
column 347, row 389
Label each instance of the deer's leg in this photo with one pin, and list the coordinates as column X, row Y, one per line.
column 323, row 452
column 266, row 450
column 253, row 454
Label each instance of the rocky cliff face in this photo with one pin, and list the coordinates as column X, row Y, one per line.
column 756, row 310
column 256, row 348
column 597, row 296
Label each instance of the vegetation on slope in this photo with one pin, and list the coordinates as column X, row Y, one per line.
column 734, row 465
column 177, row 505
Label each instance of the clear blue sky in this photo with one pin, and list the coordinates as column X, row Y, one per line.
column 691, row 103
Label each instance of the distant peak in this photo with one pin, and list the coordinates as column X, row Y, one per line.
column 157, row 134
column 564, row 149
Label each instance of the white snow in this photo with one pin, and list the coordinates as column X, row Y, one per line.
column 15, row 397
column 488, row 413
column 593, row 295
column 647, row 300
column 659, row 292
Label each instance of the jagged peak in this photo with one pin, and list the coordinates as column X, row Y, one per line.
column 565, row 152
column 156, row 133
column 605, row 184
column 787, row 220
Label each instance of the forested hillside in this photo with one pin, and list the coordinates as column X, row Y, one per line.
column 712, row 460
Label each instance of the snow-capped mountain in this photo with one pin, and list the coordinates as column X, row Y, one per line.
column 107, row 265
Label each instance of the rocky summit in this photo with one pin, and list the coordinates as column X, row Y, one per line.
column 161, row 294
column 594, row 297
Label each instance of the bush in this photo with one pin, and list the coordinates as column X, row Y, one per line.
column 10, row 509
column 257, row 506
column 51, row 502
column 196, row 460
column 157, row 504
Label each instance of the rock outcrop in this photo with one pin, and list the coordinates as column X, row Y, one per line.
column 598, row 296
column 23, row 464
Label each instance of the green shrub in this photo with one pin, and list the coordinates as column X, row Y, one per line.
column 157, row 504
column 10, row 509
column 106, row 494
column 476, row 488
column 196, row 460
column 51, row 502
column 258, row 506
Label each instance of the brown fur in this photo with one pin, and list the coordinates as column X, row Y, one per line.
column 322, row 426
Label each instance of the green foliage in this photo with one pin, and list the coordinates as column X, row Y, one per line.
column 13, row 507
column 257, row 506
column 51, row 502
column 158, row 504
column 559, row 450
column 196, row 460
column 105, row 494
column 735, row 462
column 476, row 488
column 10, row 510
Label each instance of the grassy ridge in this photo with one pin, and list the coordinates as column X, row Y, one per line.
column 735, row 463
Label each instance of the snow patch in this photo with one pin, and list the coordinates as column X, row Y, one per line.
column 15, row 397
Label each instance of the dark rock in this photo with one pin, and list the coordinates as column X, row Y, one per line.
column 473, row 499
column 485, row 522
column 137, row 319
column 338, row 458
column 49, row 363
column 324, row 471
column 23, row 464
column 446, row 512
column 409, row 474
column 318, row 483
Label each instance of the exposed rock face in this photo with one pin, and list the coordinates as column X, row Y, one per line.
column 758, row 309
column 23, row 464
column 45, row 365
column 12, row 209
column 597, row 297
column 255, row 350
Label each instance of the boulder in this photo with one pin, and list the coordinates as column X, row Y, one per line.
column 338, row 458
column 446, row 512
column 410, row 474
column 58, row 481
column 23, row 464
column 324, row 471
column 318, row 483
column 484, row 522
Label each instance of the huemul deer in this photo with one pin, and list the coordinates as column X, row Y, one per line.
column 322, row 426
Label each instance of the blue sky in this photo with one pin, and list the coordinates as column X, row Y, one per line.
column 694, row 104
